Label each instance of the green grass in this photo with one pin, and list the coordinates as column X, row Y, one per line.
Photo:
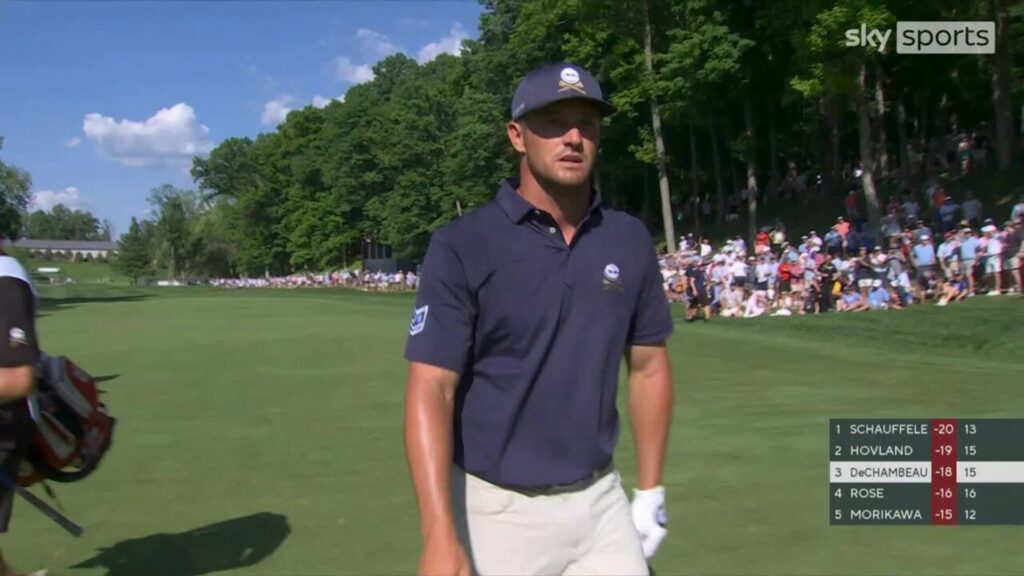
column 80, row 272
column 270, row 421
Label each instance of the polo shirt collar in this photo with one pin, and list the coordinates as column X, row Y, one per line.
column 516, row 207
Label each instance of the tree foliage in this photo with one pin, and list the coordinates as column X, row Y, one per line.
column 15, row 184
column 407, row 151
column 63, row 223
column 134, row 258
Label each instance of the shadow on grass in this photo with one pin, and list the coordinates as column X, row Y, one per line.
column 226, row 545
column 52, row 304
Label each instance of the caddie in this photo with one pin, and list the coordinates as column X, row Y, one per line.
column 525, row 310
column 19, row 351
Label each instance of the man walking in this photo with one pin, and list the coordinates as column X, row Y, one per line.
column 19, row 351
column 697, row 290
column 526, row 307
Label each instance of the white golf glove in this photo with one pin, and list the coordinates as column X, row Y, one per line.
column 650, row 518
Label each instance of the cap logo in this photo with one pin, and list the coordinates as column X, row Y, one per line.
column 570, row 80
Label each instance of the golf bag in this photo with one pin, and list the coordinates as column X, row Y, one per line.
column 73, row 428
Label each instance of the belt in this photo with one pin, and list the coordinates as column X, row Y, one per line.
column 577, row 486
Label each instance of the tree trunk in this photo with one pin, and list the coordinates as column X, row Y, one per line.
column 820, row 144
column 773, row 160
column 751, row 173
column 719, row 191
column 901, row 126
column 172, row 264
column 646, row 209
column 694, row 180
column 659, row 141
column 883, row 141
column 924, row 142
column 1001, row 75
column 866, row 159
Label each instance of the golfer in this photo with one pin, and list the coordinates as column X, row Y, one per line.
column 525, row 310
column 19, row 351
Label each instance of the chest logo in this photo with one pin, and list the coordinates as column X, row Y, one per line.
column 612, row 277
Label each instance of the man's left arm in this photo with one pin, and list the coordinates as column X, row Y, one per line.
column 650, row 410
column 650, row 403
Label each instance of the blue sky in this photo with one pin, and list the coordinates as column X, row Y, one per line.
column 103, row 101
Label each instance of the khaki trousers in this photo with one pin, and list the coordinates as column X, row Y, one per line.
column 510, row 532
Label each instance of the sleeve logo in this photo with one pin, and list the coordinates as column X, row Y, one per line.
column 17, row 337
column 419, row 320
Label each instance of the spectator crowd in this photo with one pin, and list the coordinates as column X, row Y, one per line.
column 953, row 255
column 361, row 280
column 958, row 254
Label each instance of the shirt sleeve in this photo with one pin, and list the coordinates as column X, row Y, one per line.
column 442, row 326
column 652, row 321
column 18, row 344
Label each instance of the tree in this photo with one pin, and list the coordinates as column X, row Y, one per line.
column 1001, row 84
column 718, row 88
column 134, row 258
column 63, row 223
column 659, row 140
column 174, row 208
column 15, row 184
column 830, row 70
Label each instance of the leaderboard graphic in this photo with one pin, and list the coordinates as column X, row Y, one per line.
column 920, row 471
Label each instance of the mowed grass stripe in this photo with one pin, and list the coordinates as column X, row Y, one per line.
column 290, row 402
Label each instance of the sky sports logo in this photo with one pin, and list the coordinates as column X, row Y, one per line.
column 928, row 38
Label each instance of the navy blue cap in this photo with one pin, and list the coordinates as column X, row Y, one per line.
column 554, row 82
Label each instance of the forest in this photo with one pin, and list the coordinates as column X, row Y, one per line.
column 714, row 97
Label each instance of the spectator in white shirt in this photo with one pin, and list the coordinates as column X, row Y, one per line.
column 732, row 302
column 757, row 305
column 705, row 248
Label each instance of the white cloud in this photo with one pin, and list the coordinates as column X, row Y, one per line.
column 322, row 102
column 346, row 71
column 275, row 111
column 46, row 199
column 450, row 44
column 376, row 44
column 72, row 142
column 172, row 136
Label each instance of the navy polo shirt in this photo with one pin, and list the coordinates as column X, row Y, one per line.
column 537, row 330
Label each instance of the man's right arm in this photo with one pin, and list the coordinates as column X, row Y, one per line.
column 429, row 409
column 440, row 340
